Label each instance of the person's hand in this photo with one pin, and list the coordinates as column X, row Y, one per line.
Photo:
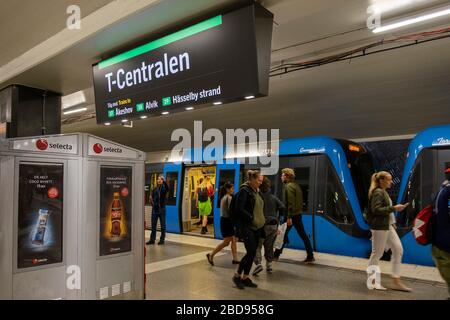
column 289, row 222
column 399, row 207
column 196, row 205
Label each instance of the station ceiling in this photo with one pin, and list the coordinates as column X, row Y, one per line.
column 396, row 92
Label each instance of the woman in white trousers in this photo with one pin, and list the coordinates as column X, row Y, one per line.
column 381, row 220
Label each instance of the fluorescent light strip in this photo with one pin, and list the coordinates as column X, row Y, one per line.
column 189, row 108
column 165, row 112
column 107, row 123
column 249, row 97
column 410, row 21
column 143, row 117
column 75, row 110
column 124, row 120
column 218, row 103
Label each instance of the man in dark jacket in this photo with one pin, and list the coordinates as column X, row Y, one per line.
column 293, row 201
column 441, row 244
column 250, row 220
column 158, row 202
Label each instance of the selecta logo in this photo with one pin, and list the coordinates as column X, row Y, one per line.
column 42, row 144
column 98, row 148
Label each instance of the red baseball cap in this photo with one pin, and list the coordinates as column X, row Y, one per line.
column 447, row 170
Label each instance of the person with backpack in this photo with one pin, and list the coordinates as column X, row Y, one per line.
column 441, row 232
column 158, row 201
column 226, row 225
column 248, row 214
column 272, row 209
column 293, row 201
column 203, row 202
column 381, row 220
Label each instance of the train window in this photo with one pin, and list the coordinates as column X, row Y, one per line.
column 336, row 203
column 302, row 179
column 225, row 176
column 413, row 196
column 172, row 181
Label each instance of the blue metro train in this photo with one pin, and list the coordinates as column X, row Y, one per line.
column 334, row 176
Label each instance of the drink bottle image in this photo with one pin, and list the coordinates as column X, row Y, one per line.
column 116, row 216
column 41, row 227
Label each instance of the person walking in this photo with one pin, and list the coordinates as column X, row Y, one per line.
column 441, row 241
column 381, row 220
column 249, row 217
column 293, row 201
column 203, row 202
column 226, row 226
column 272, row 208
column 158, row 202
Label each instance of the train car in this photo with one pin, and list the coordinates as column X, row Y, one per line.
column 334, row 176
column 428, row 156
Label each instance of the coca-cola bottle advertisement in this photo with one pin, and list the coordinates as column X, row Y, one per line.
column 115, row 209
column 40, row 216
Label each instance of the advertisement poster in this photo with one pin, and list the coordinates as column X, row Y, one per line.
column 115, row 210
column 40, row 218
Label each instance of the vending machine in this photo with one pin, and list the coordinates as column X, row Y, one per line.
column 71, row 218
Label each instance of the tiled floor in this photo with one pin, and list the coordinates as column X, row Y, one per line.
column 179, row 270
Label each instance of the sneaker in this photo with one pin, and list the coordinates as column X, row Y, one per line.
column 249, row 283
column 269, row 269
column 204, row 230
column 257, row 270
column 210, row 260
column 161, row 242
column 309, row 260
column 150, row 242
column 238, row 282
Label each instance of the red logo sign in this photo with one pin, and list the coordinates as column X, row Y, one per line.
column 98, row 148
column 124, row 192
column 42, row 144
column 53, row 193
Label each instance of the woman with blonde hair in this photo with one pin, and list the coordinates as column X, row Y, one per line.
column 381, row 220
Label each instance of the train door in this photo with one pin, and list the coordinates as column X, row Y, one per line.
column 443, row 163
column 224, row 173
column 198, row 180
column 172, row 174
column 305, row 177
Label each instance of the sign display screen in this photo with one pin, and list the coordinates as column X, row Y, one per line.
column 115, row 209
column 222, row 59
column 40, row 218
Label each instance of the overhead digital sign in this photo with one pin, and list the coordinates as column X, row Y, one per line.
column 222, row 59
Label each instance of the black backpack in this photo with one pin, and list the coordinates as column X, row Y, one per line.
column 234, row 214
column 203, row 195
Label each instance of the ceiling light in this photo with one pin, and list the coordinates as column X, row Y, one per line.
column 143, row 117
column 217, row 103
column 75, row 110
column 165, row 112
column 124, row 120
column 190, row 108
column 410, row 21
column 107, row 123
column 73, row 99
column 249, row 97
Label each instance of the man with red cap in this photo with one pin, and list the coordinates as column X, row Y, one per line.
column 441, row 241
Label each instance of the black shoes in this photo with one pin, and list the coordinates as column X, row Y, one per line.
column 238, row 282
column 150, row 242
column 309, row 260
column 204, row 230
column 210, row 260
column 161, row 242
column 249, row 283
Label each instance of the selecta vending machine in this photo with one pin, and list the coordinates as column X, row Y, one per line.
column 71, row 218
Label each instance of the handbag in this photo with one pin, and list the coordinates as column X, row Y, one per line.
column 278, row 244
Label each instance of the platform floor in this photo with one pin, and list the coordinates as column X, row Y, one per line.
column 179, row 270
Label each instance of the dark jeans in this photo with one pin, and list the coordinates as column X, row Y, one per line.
column 298, row 224
column 162, row 217
column 251, row 240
